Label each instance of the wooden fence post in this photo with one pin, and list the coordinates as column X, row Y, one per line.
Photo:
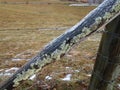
column 107, row 68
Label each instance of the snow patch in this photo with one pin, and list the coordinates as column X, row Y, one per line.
column 86, row 4
column 48, row 77
column 16, row 59
column 89, row 75
column 118, row 85
column 32, row 77
column 77, row 71
column 67, row 67
column 67, row 77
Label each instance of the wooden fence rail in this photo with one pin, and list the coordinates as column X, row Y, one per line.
column 57, row 48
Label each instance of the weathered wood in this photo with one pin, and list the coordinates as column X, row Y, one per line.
column 61, row 45
column 107, row 68
column 112, row 69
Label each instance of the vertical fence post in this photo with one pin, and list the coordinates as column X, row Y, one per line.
column 107, row 68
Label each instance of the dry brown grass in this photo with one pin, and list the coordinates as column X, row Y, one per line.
column 13, row 42
column 28, row 0
column 42, row 16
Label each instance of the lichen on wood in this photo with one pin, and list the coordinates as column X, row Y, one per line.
column 63, row 44
column 65, row 47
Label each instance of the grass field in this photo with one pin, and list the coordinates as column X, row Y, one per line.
column 29, row 0
column 41, row 16
column 25, row 43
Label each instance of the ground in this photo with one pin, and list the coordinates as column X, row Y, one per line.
column 26, row 28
